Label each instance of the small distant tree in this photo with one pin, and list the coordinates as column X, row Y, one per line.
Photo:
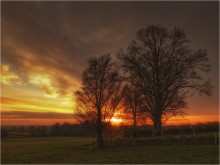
column 4, row 133
column 31, row 130
column 100, row 94
column 66, row 129
column 132, row 102
column 56, row 130
column 163, row 66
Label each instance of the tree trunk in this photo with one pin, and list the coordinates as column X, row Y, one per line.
column 157, row 126
column 100, row 139
column 135, row 122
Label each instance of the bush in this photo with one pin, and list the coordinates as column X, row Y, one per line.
column 4, row 133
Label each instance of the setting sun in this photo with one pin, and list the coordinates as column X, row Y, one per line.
column 115, row 120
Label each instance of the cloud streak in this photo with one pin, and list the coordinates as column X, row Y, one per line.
column 43, row 82
column 35, row 104
column 35, row 115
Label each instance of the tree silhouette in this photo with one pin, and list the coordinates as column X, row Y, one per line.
column 163, row 66
column 4, row 133
column 132, row 102
column 100, row 94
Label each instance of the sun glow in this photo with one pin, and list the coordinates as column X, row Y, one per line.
column 115, row 120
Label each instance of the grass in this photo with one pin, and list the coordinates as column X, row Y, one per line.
column 72, row 150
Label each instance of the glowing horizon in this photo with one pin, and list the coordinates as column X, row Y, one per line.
column 190, row 120
column 39, row 96
column 42, row 61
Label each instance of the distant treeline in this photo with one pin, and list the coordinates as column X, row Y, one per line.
column 67, row 129
column 178, row 129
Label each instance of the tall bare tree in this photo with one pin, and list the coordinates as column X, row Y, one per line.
column 166, row 69
column 100, row 94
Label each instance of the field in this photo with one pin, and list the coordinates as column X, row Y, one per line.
column 72, row 150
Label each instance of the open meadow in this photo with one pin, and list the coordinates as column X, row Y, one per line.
column 71, row 150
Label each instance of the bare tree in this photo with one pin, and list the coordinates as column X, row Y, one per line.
column 162, row 65
column 132, row 102
column 100, row 94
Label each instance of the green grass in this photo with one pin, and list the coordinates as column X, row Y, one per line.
column 61, row 150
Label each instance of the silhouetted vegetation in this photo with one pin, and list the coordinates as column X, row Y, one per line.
column 162, row 70
column 3, row 133
column 79, row 130
column 146, row 131
column 166, row 70
column 132, row 103
column 38, row 131
column 65, row 129
column 100, row 94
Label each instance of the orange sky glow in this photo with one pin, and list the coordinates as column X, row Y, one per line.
column 22, row 106
column 42, row 58
column 39, row 102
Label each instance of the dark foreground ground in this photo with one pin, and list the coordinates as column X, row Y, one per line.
column 72, row 150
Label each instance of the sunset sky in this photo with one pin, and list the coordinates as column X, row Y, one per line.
column 45, row 47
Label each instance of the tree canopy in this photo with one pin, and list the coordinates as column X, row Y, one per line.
column 163, row 66
column 100, row 94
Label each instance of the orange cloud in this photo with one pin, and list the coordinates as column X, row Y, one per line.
column 21, row 121
column 192, row 120
column 43, row 82
column 33, row 104
column 35, row 115
column 8, row 77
